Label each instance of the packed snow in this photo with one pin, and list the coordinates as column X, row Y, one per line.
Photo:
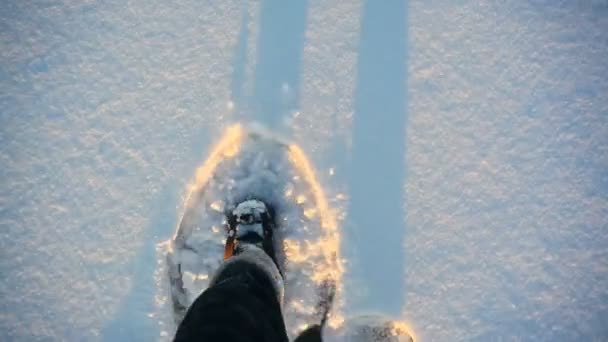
column 461, row 144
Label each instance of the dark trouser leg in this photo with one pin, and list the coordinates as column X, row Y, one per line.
column 240, row 306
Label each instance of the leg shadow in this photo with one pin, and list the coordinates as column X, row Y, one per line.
column 131, row 322
column 239, row 64
column 277, row 72
column 377, row 173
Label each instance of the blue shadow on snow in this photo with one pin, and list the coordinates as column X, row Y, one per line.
column 239, row 62
column 277, row 72
column 377, row 173
column 131, row 322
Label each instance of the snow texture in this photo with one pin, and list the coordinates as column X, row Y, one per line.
column 462, row 143
column 255, row 209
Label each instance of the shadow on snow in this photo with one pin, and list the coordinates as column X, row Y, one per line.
column 376, row 208
column 277, row 72
column 131, row 322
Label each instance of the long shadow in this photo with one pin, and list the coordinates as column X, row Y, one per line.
column 377, row 173
column 277, row 72
column 239, row 63
column 131, row 322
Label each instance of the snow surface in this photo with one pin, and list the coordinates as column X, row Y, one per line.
column 463, row 143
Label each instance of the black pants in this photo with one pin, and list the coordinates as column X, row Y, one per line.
column 241, row 306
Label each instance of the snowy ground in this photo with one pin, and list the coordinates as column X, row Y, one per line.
column 469, row 139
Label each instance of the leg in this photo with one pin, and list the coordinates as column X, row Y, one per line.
column 241, row 304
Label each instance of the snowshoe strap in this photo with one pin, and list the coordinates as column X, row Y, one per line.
column 230, row 244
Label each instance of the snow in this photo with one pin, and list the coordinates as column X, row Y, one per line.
column 506, row 154
column 466, row 162
column 246, row 228
column 249, row 207
column 255, row 209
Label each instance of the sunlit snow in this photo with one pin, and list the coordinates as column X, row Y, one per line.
column 460, row 145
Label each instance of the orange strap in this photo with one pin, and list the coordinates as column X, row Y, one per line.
column 230, row 242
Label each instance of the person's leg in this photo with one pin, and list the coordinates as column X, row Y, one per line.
column 241, row 304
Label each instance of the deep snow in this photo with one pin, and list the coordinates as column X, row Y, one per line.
column 464, row 143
